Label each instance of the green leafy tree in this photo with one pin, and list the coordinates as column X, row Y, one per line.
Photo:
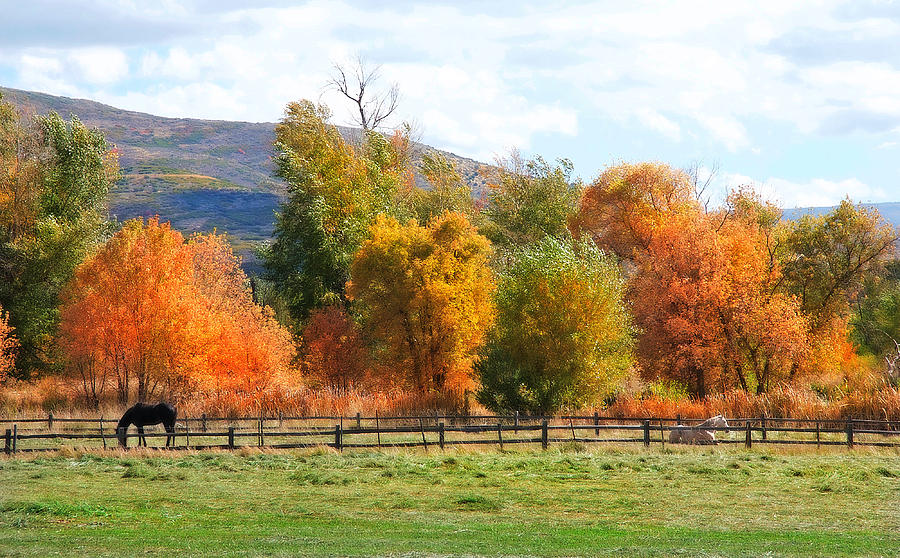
column 335, row 191
column 830, row 257
column 876, row 319
column 54, row 179
column 563, row 336
column 448, row 191
column 528, row 200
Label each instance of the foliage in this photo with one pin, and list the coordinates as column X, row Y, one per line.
column 126, row 316
column 244, row 349
column 528, row 200
column 333, row 349
column 706, row 302
column 54, row 180
column 563, row 335
column 150, row 313
column 448, row 191
column 8, row 346
column 424, row 297
column 334, row 194
column 624, row 206
column 830, row 257
column 876, row 320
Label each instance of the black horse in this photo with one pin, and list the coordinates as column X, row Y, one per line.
column 142, row 415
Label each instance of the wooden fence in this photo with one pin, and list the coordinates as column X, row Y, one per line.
column 437, row 431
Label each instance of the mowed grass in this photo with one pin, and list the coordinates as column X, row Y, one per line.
column 563, row 502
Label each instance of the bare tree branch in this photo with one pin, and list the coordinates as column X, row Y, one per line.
column 356, row 83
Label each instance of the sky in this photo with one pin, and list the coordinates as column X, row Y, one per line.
column 799, row 99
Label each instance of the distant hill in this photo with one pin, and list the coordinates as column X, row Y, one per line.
column 889, row 210
column 199, row 174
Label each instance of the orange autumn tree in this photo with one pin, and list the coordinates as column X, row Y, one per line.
column 8, row 345
column 153, row 315
column 705, row 297
column 127, row 313
column 425, row 297
column 333, row 350
column 244, row 349
column 625, row 205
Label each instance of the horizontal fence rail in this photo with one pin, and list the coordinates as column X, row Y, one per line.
column 436, row 430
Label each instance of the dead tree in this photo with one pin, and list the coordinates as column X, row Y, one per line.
column 356, row 84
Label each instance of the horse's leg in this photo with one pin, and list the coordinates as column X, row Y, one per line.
column 141, row 438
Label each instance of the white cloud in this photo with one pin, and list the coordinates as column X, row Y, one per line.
column 98, row 66
column 700, row 77
column 814, row 192
column 655, row 121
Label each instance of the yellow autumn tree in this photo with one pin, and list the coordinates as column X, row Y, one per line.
column 8, row 345
column 425, row 297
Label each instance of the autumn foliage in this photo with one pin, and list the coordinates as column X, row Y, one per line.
column 624, row 207
column 710, row 314
column 333, row 350
column 150, row 314
column 563, row 336
column 8, row 345
column 425, row 297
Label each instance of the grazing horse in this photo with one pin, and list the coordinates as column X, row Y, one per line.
column 699, row 434
column 142, row 415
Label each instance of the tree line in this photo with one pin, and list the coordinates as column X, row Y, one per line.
column 543, row 293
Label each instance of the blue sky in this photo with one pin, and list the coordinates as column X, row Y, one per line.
column 800, row 99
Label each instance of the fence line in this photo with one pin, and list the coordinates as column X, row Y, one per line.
column 518, row 430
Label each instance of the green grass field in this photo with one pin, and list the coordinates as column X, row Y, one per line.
column 564, row 502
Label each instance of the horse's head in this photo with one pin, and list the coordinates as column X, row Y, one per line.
column 121, row 435
column 721, row 423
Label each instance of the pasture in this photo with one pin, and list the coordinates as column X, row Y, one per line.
column 603, row 501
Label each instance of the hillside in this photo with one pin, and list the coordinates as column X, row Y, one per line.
column 199, row 174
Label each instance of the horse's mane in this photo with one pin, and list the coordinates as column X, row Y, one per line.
column 711, row 421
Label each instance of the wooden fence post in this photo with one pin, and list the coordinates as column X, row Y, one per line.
column 596, row 423
column 230, row 437
column 662, row 434
column 678, row 419
column 748, row 440
column 203, row 422
column 516, row 423
column 441, row 435
column 500, row 435
column 7, row 446
column 187, row 435
column 647, row 433
column 50, row 421
column 358, row 421
column 377, row 429
column 849, row 434
column 422, row 428
column 261, row 438
column 818, row 442
column 15, row 437
column 102, row 436
column 762, row 422
column 545, row 439
column 280, row 420
column 338, row 435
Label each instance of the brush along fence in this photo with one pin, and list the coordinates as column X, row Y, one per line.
column 435, row 431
